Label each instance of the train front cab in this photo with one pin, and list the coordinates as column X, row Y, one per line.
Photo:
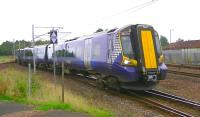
column 146, row 57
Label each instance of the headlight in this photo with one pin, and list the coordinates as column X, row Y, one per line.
column 161, row 59
column 128, row 62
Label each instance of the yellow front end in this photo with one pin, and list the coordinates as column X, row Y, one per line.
column 148, row 49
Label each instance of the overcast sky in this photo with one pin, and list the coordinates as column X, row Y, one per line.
column 85, row 16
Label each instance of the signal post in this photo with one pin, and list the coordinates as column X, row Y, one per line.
column 53, row 40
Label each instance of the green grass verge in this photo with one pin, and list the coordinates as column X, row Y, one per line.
column 4, row 97
column 38, row 105
column 45, row 106
column 13, row 87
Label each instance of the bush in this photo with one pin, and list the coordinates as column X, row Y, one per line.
column 3, row 87
column 36, row 84
column 15, row 83
column 20, row 88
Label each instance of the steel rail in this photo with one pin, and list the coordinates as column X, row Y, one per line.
column 160, row 106
column 131, row 94
column 184, row 66
column 174, row 98
column 184, row 73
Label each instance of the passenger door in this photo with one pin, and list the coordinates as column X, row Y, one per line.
column 88, row 54
column 109, row 51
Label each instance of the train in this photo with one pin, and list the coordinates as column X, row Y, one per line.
column 122, row 58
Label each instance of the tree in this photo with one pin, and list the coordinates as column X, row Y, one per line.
column 6, row 48
column 179, row 40
column 164, row 41
column 40, row 42
column 99, row 30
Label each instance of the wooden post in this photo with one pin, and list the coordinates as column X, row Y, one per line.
column 29, row 80
column 63, row 92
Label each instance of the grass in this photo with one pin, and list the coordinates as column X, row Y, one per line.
column 13, row 87
column 39, row 105
column 53, row 105
column 7, row 98
column 78, row 103
column 4, row 59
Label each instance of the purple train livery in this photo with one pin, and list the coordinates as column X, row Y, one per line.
column 126, row 58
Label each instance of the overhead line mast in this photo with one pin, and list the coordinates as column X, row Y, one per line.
column 37, row 36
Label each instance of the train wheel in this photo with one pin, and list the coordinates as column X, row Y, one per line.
column 100, row 83
column 114, row 84
column 71, row 71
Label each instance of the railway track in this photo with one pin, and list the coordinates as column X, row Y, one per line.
column 185, row 101
column 184, row 73
column 160, row 106
column 137, row 96
column 184, row 66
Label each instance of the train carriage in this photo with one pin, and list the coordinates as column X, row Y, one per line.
column 129, row 57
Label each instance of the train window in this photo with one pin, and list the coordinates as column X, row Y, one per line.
column 79, row 51
column 60, row 53
column 96, row 52
column 127, row 46
column 70, row 50
column 28, row 53
column 158, row 46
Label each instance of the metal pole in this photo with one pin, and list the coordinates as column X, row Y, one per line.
column 22, row 56
column 187, row 55
column 29, row 80
column 33, row 44
column 19, row 44
column 54, row 65
column 24, row 43
column 170, row 36
column 18, row 56
column 63, row 93
column 170, row 31
column 14, row 48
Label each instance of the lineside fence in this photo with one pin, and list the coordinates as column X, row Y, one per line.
column 183, row 56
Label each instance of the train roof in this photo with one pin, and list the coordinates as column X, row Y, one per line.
column 93, row 35
column 107, row 32
column 28, row 48
column 38, row 46
column 20, row 49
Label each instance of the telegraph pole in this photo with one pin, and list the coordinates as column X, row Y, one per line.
column 33, row 44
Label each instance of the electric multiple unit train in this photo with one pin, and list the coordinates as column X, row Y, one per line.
column 129, row 57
